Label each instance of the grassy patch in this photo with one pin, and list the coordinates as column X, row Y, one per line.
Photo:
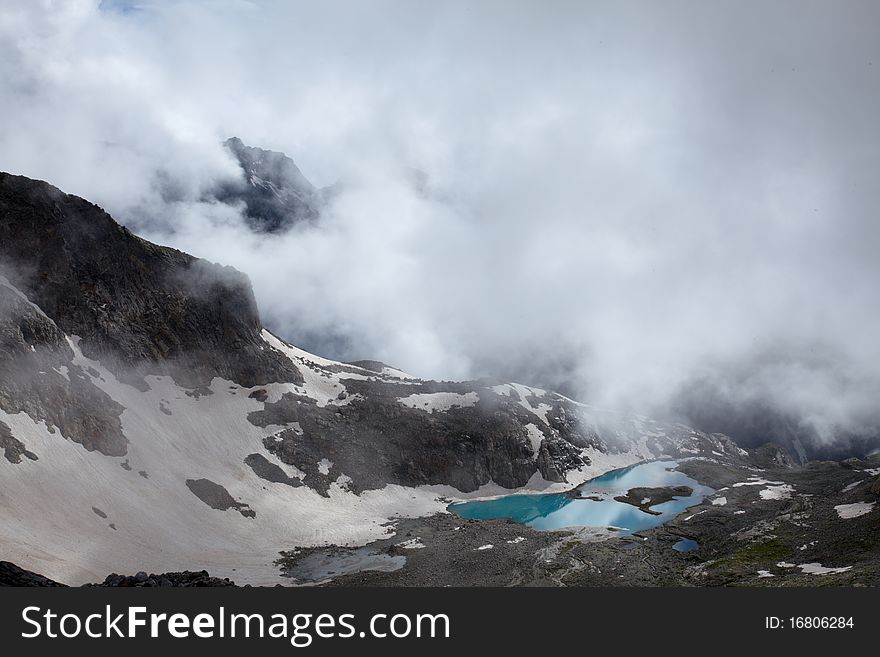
column 755, row 554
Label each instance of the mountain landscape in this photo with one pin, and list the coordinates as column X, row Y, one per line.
column 150, row 423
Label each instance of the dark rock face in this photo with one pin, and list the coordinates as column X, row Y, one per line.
column 375, row 440
column 139, row 308
column 772, row 455
column 268, row 471
column 12, row 575
column 217, row 497
column 275, row 193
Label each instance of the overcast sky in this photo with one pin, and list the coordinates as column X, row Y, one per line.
column 623, row 197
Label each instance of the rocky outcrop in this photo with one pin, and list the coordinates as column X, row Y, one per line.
column 772, row 455
column 217, row 497
column 138, row 307
column 186, row 578
column 374, row 440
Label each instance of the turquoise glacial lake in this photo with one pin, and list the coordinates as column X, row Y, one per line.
column 592, row 504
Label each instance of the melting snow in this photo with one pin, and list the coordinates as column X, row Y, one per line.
column 782, row 492
column 819, row 569
column 439, row 401
column 847, row 511
column 756, row 481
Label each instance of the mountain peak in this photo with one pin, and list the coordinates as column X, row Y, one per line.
column 275, row 193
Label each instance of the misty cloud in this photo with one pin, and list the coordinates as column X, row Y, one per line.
column 642, row 204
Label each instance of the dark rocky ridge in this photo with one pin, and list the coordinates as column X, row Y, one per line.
column 217, row 497
column 274, row 192
column 183, row 579
column 13, row 575
column 375, row 440
column 138, row 307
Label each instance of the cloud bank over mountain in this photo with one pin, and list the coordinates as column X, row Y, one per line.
column 649, row 206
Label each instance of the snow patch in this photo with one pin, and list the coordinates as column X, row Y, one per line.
column 848, row 488
column 782, row 492
column 855, row 510
column 757, row 481
column 819, row 569
column 535, row 437
column 439, row 401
